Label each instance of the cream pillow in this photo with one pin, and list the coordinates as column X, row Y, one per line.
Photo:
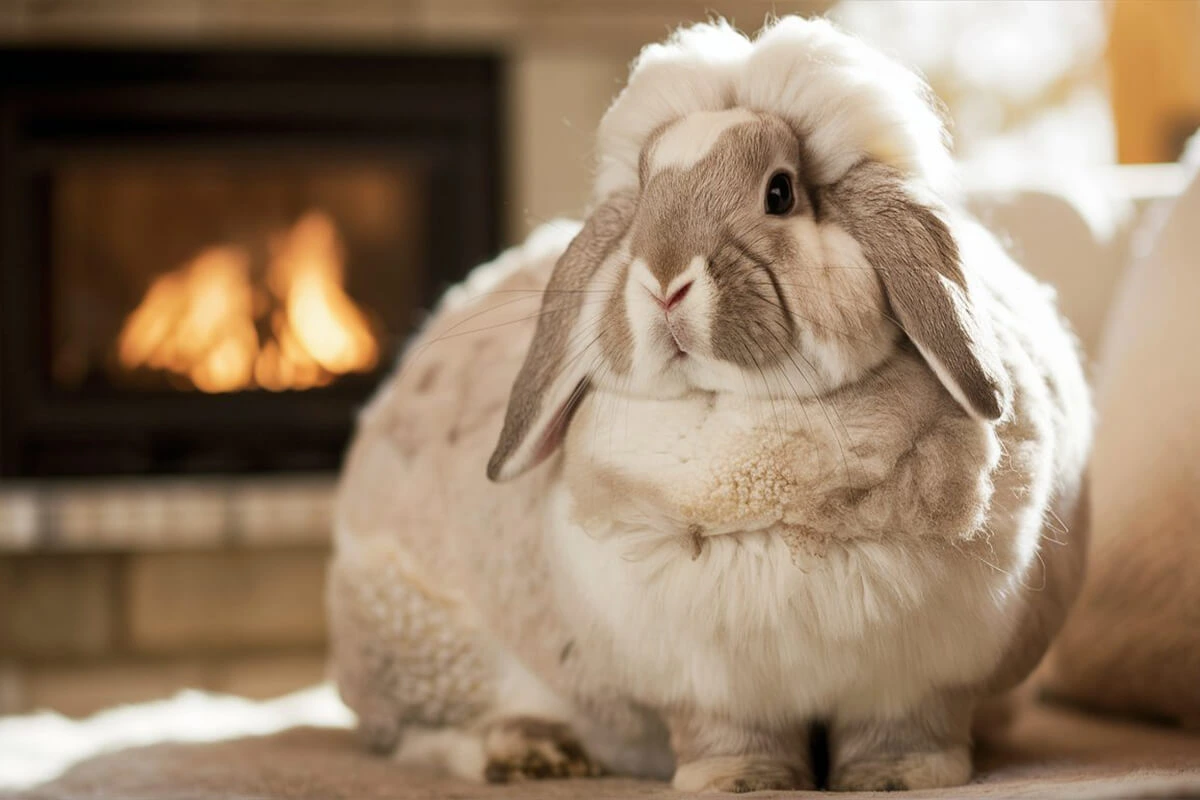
column 1132, row 643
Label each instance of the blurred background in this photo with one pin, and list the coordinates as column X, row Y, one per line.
column 220, row 220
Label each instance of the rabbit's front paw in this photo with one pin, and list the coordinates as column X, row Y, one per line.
column 932, row 770
column 524, row 748
column 740, row 774
column 928, row 748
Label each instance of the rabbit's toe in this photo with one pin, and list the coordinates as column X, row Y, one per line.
column 932, row 770
column 525, row 748
column 740, row 774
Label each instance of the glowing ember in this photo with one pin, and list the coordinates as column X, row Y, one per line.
column 207, row 321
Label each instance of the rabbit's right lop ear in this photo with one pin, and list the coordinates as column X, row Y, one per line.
column 555, row 375
column 931, row 293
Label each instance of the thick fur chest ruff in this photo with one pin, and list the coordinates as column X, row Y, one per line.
column 866, row 463
column 830, row 560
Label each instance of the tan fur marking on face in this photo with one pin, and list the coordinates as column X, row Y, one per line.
column 789, row 290
column 713, row 209
column 646, row 152
column 690, row 140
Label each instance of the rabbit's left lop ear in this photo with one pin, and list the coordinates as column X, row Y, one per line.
column 930, row 293
column 553, row 379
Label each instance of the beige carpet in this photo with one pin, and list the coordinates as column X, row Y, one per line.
column 1046, row 753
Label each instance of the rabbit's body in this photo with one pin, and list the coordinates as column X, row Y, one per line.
column 827, row 581
column 856, row 517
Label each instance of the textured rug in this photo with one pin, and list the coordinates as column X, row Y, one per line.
column 1046, row 752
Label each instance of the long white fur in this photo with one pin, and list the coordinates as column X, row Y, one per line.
column 848, row 99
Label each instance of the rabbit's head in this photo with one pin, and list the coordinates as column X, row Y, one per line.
column 770, row 222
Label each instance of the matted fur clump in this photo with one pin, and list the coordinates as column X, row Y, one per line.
column 790, row 441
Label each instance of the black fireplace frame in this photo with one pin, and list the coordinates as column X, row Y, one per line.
column 443, row 108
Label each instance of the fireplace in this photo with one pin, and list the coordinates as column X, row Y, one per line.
column 208, row 259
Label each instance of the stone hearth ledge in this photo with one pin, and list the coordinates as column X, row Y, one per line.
column 165, row 514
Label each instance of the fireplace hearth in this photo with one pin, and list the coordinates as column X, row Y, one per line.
column 208, row 259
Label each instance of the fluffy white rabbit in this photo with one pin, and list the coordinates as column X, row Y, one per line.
column 790, row 443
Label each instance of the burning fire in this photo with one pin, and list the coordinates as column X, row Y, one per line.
column 207, row 322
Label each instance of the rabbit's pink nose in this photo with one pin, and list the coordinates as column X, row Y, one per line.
column 674, row 299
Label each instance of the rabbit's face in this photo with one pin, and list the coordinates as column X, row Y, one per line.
column 728, row 269
column 732, row 276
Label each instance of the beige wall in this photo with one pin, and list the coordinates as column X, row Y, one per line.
column 556, row 100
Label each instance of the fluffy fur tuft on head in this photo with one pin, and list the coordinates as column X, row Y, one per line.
column 846, row 100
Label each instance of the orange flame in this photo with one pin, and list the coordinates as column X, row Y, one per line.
column 200, row 321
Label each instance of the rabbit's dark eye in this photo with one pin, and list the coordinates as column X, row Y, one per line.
column 780, row 198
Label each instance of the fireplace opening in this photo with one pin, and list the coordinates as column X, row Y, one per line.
column 202, row 277
column 210, row 259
